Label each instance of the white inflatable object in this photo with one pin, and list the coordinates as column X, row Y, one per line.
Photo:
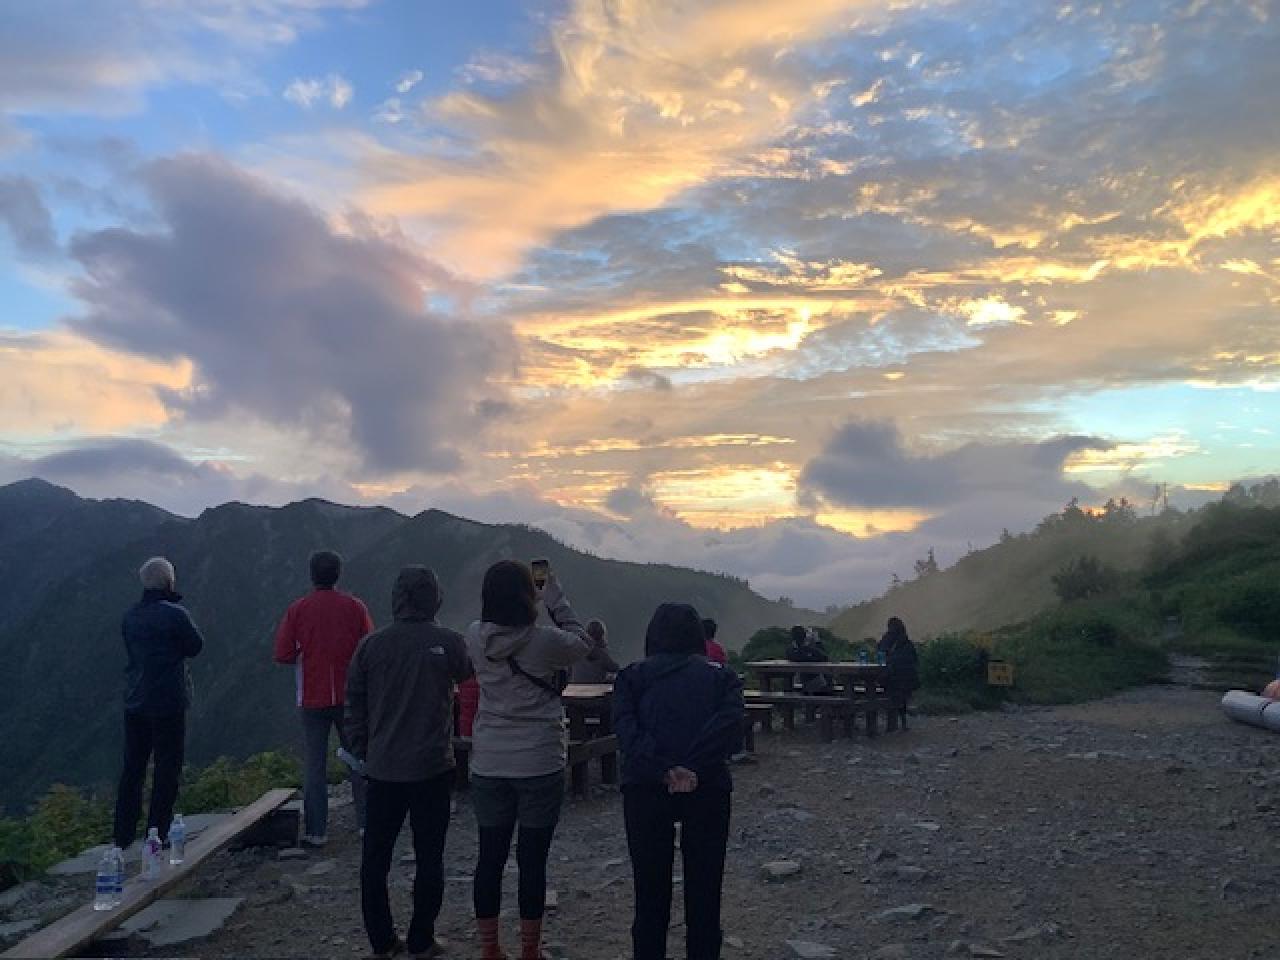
column 1251, row 709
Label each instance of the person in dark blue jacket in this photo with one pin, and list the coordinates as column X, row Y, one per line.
column 159, row 637
column 679, row 719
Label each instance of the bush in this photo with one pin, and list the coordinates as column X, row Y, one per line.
column 1084, row 577
column 771, row 644
column 951, row 661
column 953, row 676
column 224, row 783
column 1081, row 652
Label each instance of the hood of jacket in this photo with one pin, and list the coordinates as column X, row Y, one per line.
column 654, row 668
column 416, row 595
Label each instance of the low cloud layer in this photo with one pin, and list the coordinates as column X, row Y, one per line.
column 288, row 320
column 866, row 465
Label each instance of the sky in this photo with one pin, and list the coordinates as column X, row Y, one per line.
column 795, row 290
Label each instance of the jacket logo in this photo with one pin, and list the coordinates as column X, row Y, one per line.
column 439, row 651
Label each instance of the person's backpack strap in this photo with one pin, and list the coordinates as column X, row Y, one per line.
column 554, row 687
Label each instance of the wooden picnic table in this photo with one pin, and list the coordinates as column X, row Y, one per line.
column 584, row 702
column 860, row 687
column 849, row 675
column 589, row 709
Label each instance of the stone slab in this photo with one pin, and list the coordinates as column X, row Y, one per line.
column 169, row 922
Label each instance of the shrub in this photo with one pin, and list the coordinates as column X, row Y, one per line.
column 224, row 783
column 1083, row 577
column 951, row 661
column 771, row 644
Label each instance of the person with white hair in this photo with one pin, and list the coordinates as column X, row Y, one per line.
column 159, row 638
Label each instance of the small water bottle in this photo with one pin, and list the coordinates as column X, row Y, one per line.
column 177, row 840
column 117, row 875
column 880, row 658
column 151, row 850
column 104, row 884
column 351, row 760
column 862, row 655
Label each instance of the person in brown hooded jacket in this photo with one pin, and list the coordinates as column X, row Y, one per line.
column 399, row 722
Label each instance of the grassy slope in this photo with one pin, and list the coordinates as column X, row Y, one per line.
column 1009, row 581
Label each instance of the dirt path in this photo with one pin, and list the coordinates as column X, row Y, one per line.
column 1140, row 826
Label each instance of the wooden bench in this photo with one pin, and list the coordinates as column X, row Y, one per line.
column 81, row 927
column 756, row 713
column 829, row 709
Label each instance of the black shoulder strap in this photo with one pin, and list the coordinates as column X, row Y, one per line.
column 555, row 689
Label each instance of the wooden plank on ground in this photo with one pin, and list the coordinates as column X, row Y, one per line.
column 83, row 926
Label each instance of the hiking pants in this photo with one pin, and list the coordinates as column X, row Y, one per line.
column 145, row 737
column 651, row 814
column 427, row 804
column 316, row 722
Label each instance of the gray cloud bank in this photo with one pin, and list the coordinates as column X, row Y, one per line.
column 288, row 320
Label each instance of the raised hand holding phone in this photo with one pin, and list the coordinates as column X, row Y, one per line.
column 541, row 569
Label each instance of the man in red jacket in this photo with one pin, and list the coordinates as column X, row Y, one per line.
column 319, row 636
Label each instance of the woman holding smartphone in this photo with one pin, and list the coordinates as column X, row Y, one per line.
column 678, row 717
column 519, row 747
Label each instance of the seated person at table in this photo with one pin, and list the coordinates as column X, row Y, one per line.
column 903, row 677
column 715, row 652
column 806, row 647
column 599, row 666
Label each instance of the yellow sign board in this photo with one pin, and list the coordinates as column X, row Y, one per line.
column 999, row 673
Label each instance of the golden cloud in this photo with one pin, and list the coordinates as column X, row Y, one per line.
column 642, row 101
column 60, row 383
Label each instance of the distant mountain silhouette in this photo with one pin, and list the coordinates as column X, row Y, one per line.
column 70, row 572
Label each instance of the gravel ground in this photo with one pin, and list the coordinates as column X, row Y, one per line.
column 1139, row 826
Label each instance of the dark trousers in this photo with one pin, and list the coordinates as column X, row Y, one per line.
column 427, row 804
column 316, row 722
column 651, row 814
column 165, row 738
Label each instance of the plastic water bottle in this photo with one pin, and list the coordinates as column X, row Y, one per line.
column 177, row 840
column 151, row 850
column 105, row 883
column 351, row 760
column 117, row 875
column 862, row 656
column 880, row 658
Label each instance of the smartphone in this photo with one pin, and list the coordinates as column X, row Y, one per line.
column 541, row 568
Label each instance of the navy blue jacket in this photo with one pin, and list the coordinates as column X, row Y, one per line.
column 677, row 710
column 158, row 636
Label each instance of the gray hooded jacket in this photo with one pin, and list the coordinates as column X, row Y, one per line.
column 520, row 729
column 399, row 716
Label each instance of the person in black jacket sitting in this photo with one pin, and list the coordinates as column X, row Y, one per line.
column 678, row 718
column 900, row 657
column 807, row 647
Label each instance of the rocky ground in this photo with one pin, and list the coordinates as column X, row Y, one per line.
column 1140, row 826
